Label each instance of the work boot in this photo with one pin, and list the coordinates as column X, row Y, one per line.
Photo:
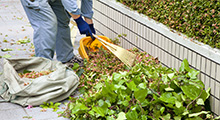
column 75, row 59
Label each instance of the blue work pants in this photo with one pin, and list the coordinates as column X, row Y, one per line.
column 50, row 21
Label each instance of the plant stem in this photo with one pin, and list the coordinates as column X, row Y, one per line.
column 194, row 100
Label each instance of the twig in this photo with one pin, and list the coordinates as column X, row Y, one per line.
column 142, row 110
column 194, row 99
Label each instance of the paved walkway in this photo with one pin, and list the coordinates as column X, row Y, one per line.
column 14, row 27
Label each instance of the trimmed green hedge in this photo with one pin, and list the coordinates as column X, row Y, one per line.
column 198, row 19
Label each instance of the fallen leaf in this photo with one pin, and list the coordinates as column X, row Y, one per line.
column 5, row 40
column 6, row 49
column 23, row 41
column 6, row 56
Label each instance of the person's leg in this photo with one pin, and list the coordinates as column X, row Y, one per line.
column 71, row 6
column 44, row 23
column 64, row 47
column 86, row 9
column 87, row 12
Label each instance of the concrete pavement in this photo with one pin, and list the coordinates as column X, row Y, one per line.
column 14, row 27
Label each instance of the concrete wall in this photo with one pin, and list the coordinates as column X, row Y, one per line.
column 112, row 18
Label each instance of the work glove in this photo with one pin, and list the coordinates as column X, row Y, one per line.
column 91, row 26
column 83, row 27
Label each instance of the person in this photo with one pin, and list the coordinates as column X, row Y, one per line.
column 50, row 21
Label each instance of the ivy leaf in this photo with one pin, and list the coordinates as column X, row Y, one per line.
column 162, row 109
column 180, row 111
column 132, row 86
column 101, row 102
column 178, row 104
column 142, row 85
column 171, row 75
column 75, row 66
column 111, row 112
column 132, row 115
column 205, row 94
column 99, row 111
column 217, row 118
column 169, row 89
column 79, row 107
column 168, row 98
column 177, row 118
column 166, row 117
column 141, row 95
column 110, row 118
column 184, row 66
column 183, row 97
column 116, row 76
column 193, row 73
column 200, row 101
column 121, row 116
column 165, row 78
column 191, row 91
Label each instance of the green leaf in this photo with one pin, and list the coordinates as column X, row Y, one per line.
column 98, row 86
column 57, row 104
column 166, row 117
column 99, row 111
column 111, row 112
column 169, row 89
column 168, row 98
column 178, row 104
column 121, row 116
column 26, row 71
column 171, row 75
column 6, row 49
column 193, row 73
column 132, row 115
column 6, row 56
column 184, row 66
column 75, row 66
column 162, row 109
column 185, row 112
column 101, row 102
column 205, row 94
column 177, row 118
column 142, row 85
column 23, row 41
column 110, row 118
column 200, row 101
column 132, row 86
column 118, row 76
column 143, row 117
column 199, row 113
column 217, row 118
column 183, row 97
column 79, row 107
column 191, row 91
column 179, row 111
column 164, row 78
column 141, row 95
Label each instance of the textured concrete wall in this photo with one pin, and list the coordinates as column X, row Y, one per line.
column 112, row 18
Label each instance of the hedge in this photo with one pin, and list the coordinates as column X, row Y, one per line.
column 197, row 19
